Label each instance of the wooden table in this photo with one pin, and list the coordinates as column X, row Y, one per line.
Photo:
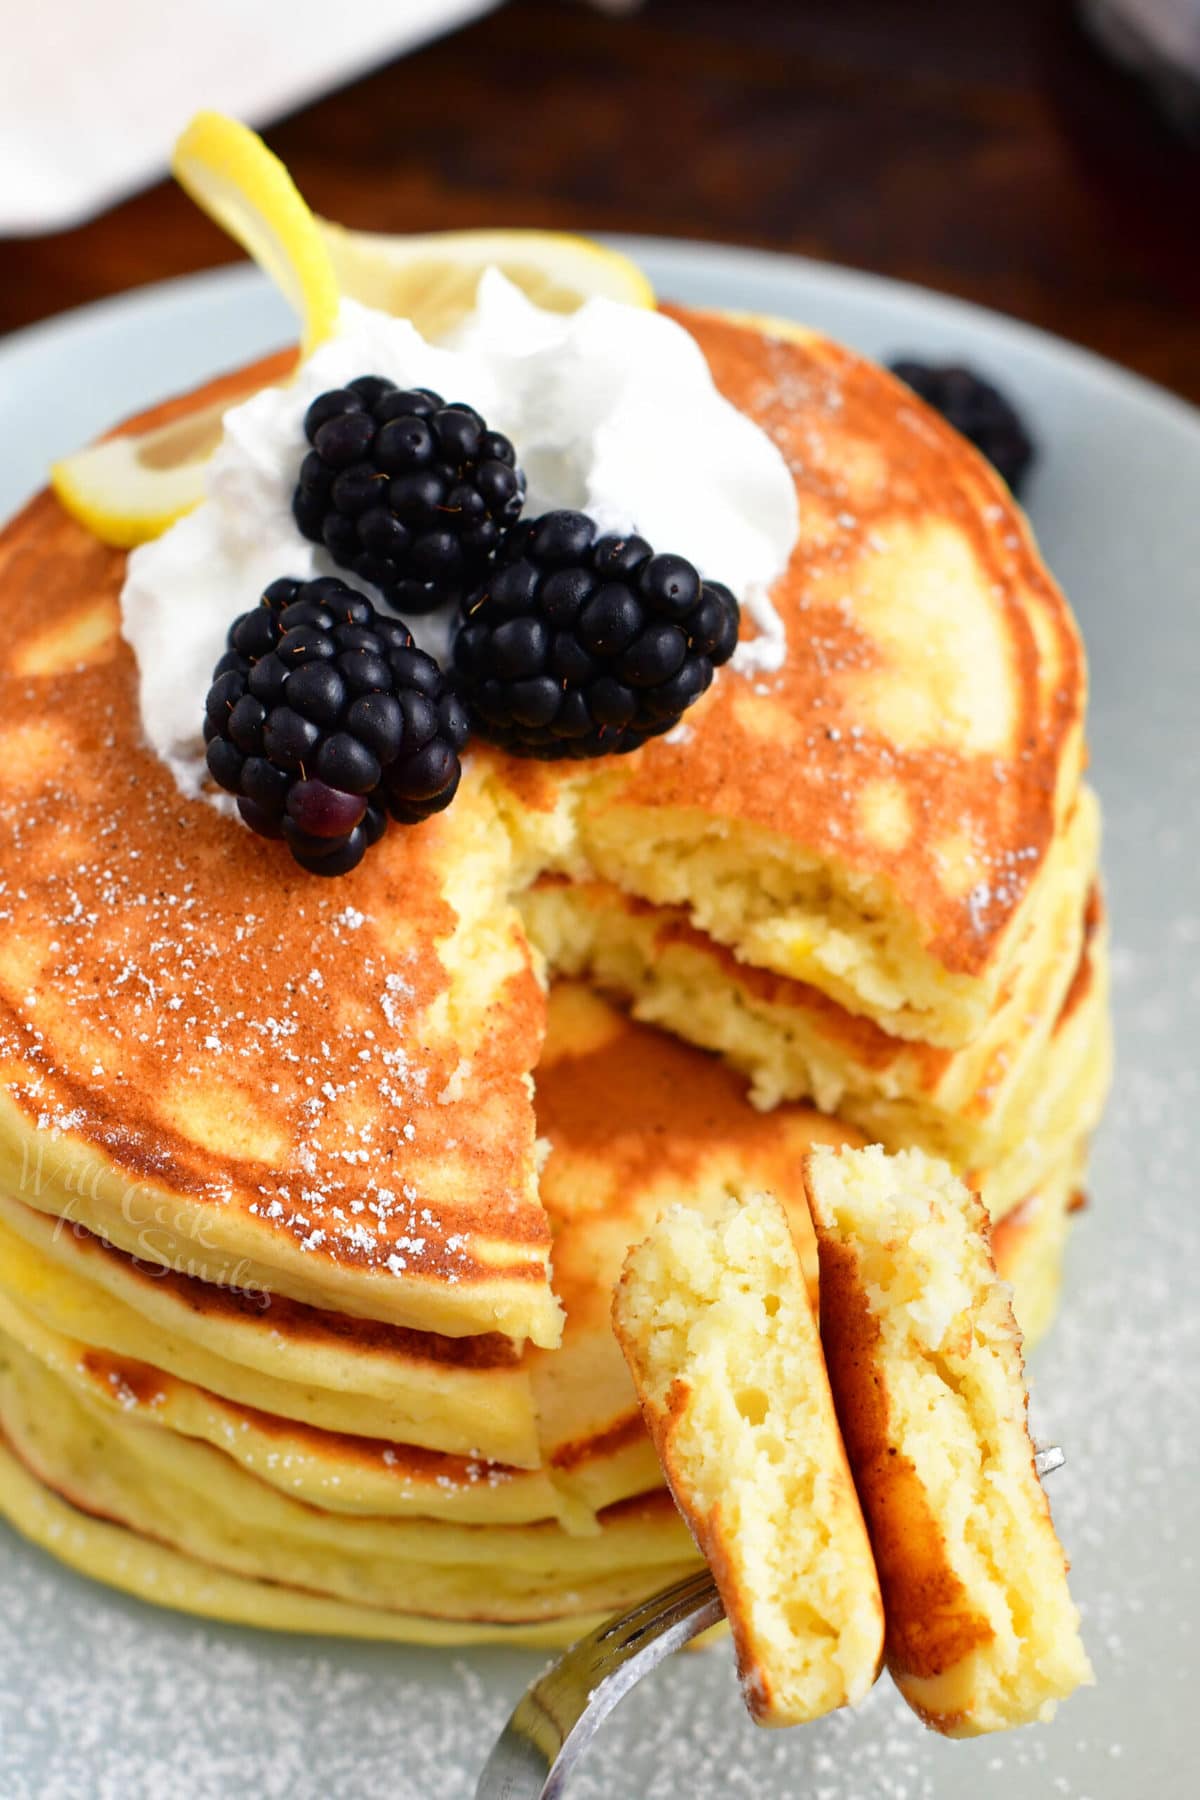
column 985, row 150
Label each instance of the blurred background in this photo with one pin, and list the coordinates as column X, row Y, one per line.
column 1039, row 156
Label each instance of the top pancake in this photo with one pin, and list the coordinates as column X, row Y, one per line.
column 326, row 1084
column 873, row 818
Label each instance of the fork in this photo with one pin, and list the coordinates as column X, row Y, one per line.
column 558, row 1715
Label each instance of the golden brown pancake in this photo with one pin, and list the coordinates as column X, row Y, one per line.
column 226, row 1077
column 713, row 1316
column 338, row 1470
column 185, row 1017
column 469, row 1396
column 621, row 1147
column 189, row 1496
column 324, row 1085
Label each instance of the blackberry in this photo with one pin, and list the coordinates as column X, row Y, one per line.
column 323, row 717
column 977, row 409
column 409, row 493
column 583, row 646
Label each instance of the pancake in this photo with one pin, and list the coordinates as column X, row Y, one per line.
column 336, row 1470
column 324, row 1406
column 100, row 1468
column 153, row 1572
column 469, row 1396
column 177, row 1459
column 158, row 967
column 875, row 817
column 597, row 1063
column 973, row 1106
column 714, row 1319
column 193, row 1496
column 619, row 1148
column 324, row 1085
column 925, row 1362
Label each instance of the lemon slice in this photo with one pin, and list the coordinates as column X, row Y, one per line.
column 236, row 180
column 431, row 279
column 129, row 489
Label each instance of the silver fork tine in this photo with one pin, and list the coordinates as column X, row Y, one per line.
column 556, row 1718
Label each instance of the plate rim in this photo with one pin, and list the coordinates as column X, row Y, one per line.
column 225, row 281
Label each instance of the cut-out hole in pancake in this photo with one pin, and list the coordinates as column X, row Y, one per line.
column 752, row 1404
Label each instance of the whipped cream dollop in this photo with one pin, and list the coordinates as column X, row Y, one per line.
column 612, row 410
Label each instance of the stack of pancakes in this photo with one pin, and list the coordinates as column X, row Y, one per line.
column 311, row 1204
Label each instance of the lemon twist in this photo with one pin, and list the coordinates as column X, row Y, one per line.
column 131, row 488
column 232, row 176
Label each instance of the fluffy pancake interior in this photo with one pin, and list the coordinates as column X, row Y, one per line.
column 982, row 1632
column 786, row 911
column 715, row 1320
column 971, row 1106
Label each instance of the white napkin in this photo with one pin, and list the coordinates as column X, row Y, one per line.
column 93, row 93
column 1135, row 29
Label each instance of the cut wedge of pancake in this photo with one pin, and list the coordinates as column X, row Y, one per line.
column 162, row 1576
column 714, row 1318
column 925, row 1361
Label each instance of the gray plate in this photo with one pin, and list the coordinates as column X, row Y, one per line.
column 104, row 1697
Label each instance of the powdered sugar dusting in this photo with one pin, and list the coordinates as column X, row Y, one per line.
column 171, row 982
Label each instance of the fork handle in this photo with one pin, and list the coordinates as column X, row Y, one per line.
column 556, row 1718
